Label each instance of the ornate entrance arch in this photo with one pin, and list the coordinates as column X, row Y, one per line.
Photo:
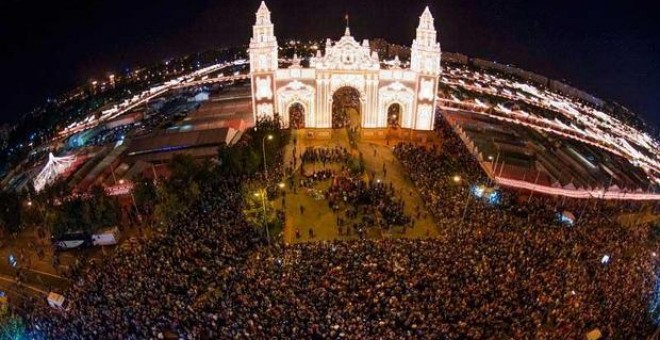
column 297, row 115
column 346, row 62
column 346, row 107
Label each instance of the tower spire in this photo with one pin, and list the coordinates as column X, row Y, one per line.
column 348, row 30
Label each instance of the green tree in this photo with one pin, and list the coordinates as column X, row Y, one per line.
column 145, row 194
column 182, row 189
column 246, row 157
column 103, row 209
column 10, row 206
column 71, row 215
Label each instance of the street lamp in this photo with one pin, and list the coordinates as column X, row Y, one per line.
column 263, row 148
column 457, row 178
column 262, row 193
column 130, row 191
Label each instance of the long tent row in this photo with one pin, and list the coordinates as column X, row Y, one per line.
column 520, row 102
column 521, row 153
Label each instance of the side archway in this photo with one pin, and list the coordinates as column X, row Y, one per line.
column 296, row 92
column 403, row 97
column 296, row 113
column 394, row 115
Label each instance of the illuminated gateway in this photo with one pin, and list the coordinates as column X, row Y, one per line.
column 346, row 63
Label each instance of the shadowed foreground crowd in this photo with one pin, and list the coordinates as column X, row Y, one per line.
column 507, row 271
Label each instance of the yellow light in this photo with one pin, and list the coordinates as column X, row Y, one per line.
column 457, row 178
column 121, row 181
column 270, row 137
column 281, row 185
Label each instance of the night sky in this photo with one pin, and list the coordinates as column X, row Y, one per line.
column 608, row 48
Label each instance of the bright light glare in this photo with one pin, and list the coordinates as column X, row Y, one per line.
column 605, row 259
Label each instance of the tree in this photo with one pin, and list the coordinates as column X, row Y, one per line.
column 182, row 189
column 145, row 194
column 246, row 157
column 10, row 206
column 72, row 215
column 103, row 209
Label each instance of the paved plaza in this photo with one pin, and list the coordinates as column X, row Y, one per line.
column 317, row 215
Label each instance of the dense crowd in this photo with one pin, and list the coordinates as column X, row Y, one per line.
column 497, row 270
column 553, row 273
column 374, row 201
column 162, row 286
column 335, row 154
column 500, row 283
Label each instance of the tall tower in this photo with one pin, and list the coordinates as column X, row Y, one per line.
column 425, row 60
column 263, row 64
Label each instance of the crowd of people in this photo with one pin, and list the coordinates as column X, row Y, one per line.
column 492, row 281
column 567, row 286
column 337, row 154
column 161, row 287
column 374, row 201
column 505, row 270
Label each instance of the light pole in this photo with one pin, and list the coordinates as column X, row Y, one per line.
column 121, row 181
column 467, row 201
column 263, row 204
column 263, row 149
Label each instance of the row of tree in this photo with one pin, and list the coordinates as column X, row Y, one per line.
column 57, row 210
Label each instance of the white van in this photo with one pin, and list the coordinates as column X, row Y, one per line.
column 106, row 238
column 71, row 240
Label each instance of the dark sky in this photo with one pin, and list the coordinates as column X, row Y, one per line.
column 608, row 48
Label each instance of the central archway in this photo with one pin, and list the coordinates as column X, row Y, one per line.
column 297, row 116
column 346, row 108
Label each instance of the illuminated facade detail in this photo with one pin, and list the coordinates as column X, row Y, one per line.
column 265, row 110
column 263, row 63
column 424, row 117
column 55, row 167
column 264, row 88
column 346, row 63
column 426, row 88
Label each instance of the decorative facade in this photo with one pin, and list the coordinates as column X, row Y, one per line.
column 346, row 63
